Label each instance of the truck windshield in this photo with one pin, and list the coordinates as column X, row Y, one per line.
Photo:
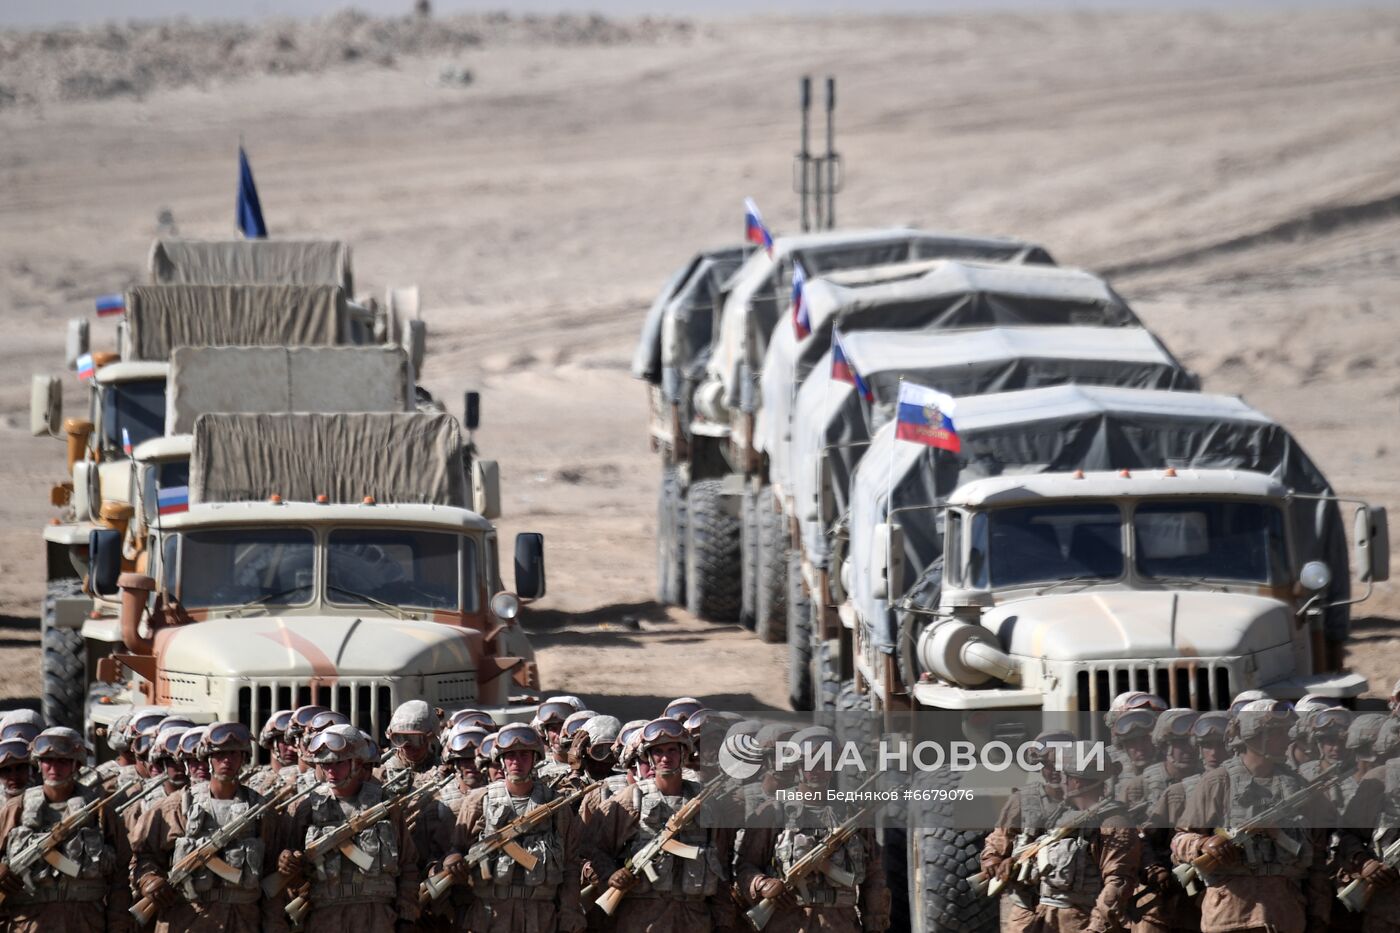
column 138, row 407
column 1216, row 540
column 1043, row 544
column 401, row 568
column 240, row 566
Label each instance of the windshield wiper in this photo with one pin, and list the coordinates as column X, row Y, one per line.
column 1186, row 581
column 262, row 600
column 379, row 603
column 1084, row 578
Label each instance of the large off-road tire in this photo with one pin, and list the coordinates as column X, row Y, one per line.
column 941, row 859
column 826, row 678
column 800, row 611
column 670, row 540
column 748, row 559
column 64, row 664
column 711, row 554
column 771, row 586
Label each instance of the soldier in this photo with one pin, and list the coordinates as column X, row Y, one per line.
column 164, row 759
column 1361, row 740
column 1327, row 736
column 21, row 724
column 548, row 722
column 591, row 756
column 346, row 897
column 1303, row 748
column 1208, row 739
column 472, row 717
column 182, row 822
column 16, row 769
column 304, row 771
column 120, row 743
column 1028, row 812
column 412, row 731
column 459, row 754
column 1255, row 882
column 1132, row 740
column 192, row 755
column 682, row 708
column 1172, row 908
column 768, row 853
column 1087, row 873
column 573, row 725
column 486, row 762
column 96, row 898
column 281, row 753
column 541, row 899
column 682, row 899
column 1373, row 823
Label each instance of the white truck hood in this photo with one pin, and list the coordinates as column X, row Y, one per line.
column 320, row 646
column 1113, row 624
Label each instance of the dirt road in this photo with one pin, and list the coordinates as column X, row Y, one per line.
column 1238, row 177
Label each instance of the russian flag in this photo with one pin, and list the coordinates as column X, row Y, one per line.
column 843, row 371
column 925, row 416
column 173, row 499
column 108, row 305
column 86, row 367
column 755, row 231
column 801, row 321
column 127, row 446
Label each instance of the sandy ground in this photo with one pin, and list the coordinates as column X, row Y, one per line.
column 1238, row 177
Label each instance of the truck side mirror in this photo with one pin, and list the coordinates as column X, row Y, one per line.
column 76, row 341
column 471, row 410
column 486, row 488
column 887, row 561
column 529, row 565
column 1372, row 534
column 105, row 560
column 45, row 406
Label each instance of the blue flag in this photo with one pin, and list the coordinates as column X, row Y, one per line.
column 250, row 218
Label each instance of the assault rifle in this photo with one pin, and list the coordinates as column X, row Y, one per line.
column 147, row 789
column 1265, row 822
column 341, row 839
column 45, row 847
column 1358, row 893
column 816, row 860
column 501, row 840
column 207, row 855
column 1023, row 856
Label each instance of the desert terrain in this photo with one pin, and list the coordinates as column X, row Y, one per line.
column 1236, row 176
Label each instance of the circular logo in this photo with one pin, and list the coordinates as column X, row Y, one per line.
column 740, row 756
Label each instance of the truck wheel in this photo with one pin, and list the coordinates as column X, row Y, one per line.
column 799, row 638
column 64, row 665
column 748, row 550
column 711, row 554
column 941, row 859
column 670, row 540
column 826, row 679
column 770, row 603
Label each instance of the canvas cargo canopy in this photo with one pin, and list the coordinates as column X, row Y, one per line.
column 676, row 333
column 1064, row 428
column 944, row 296
column 407, row 457
column 251, row 262
column 160, row 318
column 285, row 379
column 762, row 287
column 960, row 363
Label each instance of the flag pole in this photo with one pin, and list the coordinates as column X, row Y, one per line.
column 889, row 491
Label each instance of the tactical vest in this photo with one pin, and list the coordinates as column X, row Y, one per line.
column 613, row 786
column 1068, row 870
column 245, row 854
column 1038, row 812
column 550, row 770
column 677, row 878
column 1250, row 796
column 1388, row 823
column 96, row 860
column 820, row 890
column 1339, row 793
column 337, row 880
column 510, row 879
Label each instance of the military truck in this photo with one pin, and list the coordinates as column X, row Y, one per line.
column 671, row 357
column 127, row 407
column 322, row 558
column 729, row 505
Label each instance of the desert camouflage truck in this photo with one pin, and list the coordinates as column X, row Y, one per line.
column 332, row 559
column 670, row 357
column 726, row 486
column 126, row 407
column 966, row 328
column 1088, row 540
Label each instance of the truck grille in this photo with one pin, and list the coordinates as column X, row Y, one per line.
column 180, row 691
column 1192, row 683
column 367, row 704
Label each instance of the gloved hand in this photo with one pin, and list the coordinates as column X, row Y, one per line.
column 1222, row 850
column 159, row 891
column 291, row 864
column 1375, row 873
column 1004, row 869
column 622, row 879
column 589, row 875
column 1159, row 877
column 457, row 867
column 10, row 882
column 771, row 888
